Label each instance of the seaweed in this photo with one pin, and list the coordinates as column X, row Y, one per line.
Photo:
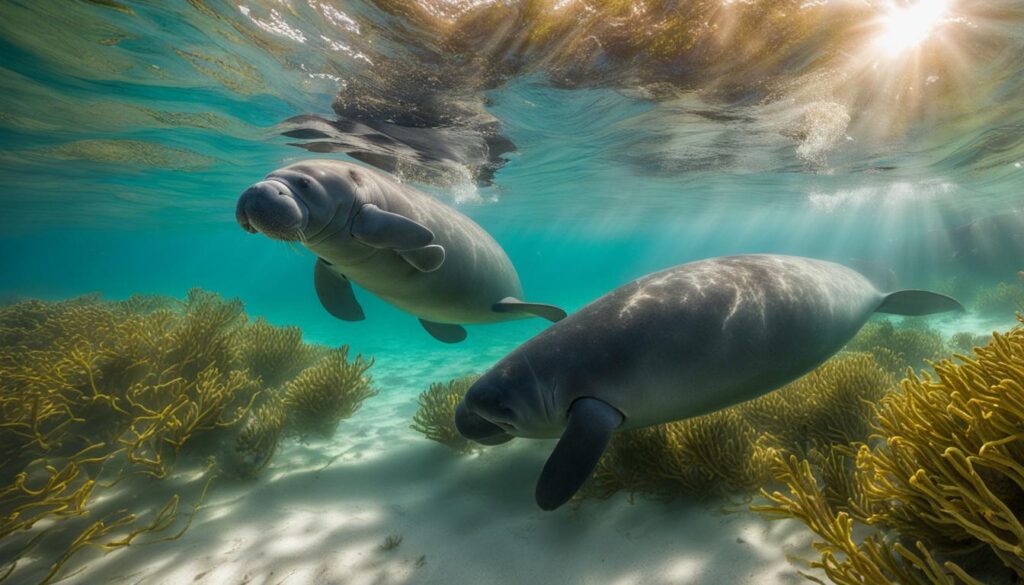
column 325, row 393
column 951, row 449
column 942, row 474
column 843, row 559
column 965, row 341
column 276, row 354
column 1002, row 299
column 391, row 542
column 708, row 455
column 899, row 348
column 724, row 452
column 257, row 441
column 435, row 417
column 831, row 405
column 729, row 451
column 94, row 392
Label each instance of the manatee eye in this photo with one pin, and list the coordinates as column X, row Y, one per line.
column 304, row 183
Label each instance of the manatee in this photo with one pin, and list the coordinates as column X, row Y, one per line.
column 394, row 241
column 992, row 245
column 672, row 345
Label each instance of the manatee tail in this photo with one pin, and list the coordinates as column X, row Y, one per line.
column 514, row 305
column 883, row 277
column 917, row 302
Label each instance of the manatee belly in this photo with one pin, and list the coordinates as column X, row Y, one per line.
column 473, row 277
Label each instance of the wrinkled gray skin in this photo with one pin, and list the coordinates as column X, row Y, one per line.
column 315, row 203
column 677, row 344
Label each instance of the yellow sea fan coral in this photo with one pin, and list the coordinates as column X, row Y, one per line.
column 323, row 394
column 435, row 417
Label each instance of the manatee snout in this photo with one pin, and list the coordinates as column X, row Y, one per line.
column 271, row 208
column 475, row 417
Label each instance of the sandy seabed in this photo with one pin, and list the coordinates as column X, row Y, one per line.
column 321, row 513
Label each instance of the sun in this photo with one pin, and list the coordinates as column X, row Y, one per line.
column 904, row 26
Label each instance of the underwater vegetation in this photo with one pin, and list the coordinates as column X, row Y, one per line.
column 730, row 451
column 965, row 341
column 325, row 393
column 1002, row 299
column 942, row 477
column 93, row 392
column 727, row 451
column 920, row 481
column 435, row 417
column 898, row 348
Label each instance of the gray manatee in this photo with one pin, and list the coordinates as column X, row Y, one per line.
column 396, row 242
column 672, row 345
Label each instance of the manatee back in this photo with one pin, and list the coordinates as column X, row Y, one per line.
column 702, row 336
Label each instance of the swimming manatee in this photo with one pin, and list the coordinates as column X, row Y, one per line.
column 395, row 241
column 672, row 345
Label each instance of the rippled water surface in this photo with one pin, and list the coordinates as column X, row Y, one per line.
column 594, row 139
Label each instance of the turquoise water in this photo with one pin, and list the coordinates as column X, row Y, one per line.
column 128, row 130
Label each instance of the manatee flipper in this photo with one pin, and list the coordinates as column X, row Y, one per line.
column 918, row 302
column 514, row 305
column 425, row 259
column 445, row 332
column 335, row 293
column 382, row 229
column 590, row 426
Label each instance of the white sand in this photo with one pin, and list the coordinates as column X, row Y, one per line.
column 461, row 519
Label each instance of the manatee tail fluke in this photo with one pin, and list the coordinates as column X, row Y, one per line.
column 514, row 305
column 586, row 435
column 918, row 302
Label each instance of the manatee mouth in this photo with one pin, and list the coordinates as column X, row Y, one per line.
column 477, row 428
column 270, row 207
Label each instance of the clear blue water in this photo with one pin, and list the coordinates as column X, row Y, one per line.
column 128, row 129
